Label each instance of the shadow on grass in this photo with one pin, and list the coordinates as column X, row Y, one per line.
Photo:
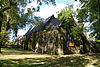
column 71, row 61
column 46, row 62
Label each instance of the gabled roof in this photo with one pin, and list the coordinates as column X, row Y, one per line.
column 49, row 22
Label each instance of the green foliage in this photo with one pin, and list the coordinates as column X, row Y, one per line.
column 4, row 36
column 66, row 17
column 90, row 12
column 82, row 15
column 96, row 27
column 70, row 25
column 10, row 43
column 65, row 14
column 76, row 32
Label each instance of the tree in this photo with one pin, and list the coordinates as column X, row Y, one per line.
column 5, row 5
column 90, row 12
column 74, row 30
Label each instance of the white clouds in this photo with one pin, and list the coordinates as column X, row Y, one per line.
column 76, row 5
column 49, row 10
column 21, row 32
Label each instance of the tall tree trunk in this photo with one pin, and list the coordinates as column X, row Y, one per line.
column 84, row 43
column 8, row 25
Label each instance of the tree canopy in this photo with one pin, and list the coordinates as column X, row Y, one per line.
column 90, row 12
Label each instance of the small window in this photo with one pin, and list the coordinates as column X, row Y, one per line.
column 71, row 44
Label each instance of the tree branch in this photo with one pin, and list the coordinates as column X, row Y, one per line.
column 11, row 4
column 5, row 9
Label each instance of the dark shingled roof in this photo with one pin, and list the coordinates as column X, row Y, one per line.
column 48, row 23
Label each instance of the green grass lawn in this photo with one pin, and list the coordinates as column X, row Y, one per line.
column 7, row 51
column 12, row 59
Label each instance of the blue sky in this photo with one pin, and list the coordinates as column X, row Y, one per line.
column 65, row 1
column 48, row 10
